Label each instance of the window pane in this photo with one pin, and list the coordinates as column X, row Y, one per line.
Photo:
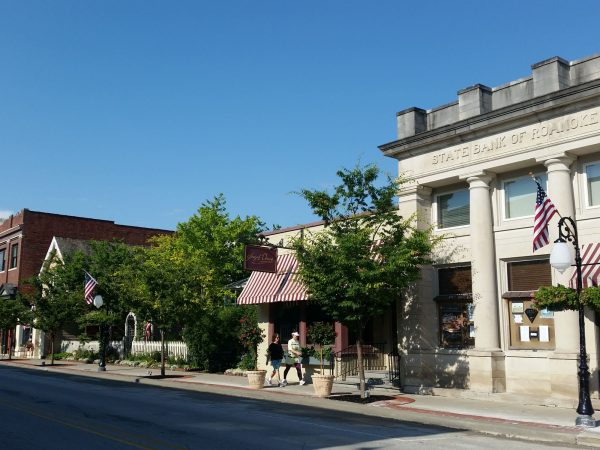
column 456, row 327
column 593, row 180
column 455, row 280
column 529, row 275
column 453, row 209
column 13, row 256
column 520, row 196
column 2, row 259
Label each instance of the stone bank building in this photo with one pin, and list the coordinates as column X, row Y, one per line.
column 467, row 164
column 469, row 322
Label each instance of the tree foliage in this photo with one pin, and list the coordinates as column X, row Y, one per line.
column 57, row 294
column 367, row 256
column 213, row 243
column 13, row 312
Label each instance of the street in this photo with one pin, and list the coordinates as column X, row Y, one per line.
column 57, row 411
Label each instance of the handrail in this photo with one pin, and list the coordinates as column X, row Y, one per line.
column 345, row 361
column 394, row 368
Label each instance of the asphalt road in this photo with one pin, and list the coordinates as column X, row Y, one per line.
column 43, row 410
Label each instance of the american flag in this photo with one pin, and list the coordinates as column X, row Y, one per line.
column 544, row 210
column 88, row 288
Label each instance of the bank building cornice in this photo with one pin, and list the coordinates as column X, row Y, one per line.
column 556, row 89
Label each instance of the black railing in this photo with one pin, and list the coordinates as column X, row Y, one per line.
column 394, row 369
column 345, row 362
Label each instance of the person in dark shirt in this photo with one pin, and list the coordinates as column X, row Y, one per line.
column 276, row 356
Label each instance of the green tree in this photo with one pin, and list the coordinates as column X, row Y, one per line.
column 367, row 255
column 168, row 287
column 13, row 312
column 214, row 242
column 115, row 266
column 57, row 294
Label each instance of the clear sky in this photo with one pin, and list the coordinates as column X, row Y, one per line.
column 139, row 111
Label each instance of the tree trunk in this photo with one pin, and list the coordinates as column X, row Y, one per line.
column 359, row 357
column 162, row 352
column 51, row 349
column 9, row 343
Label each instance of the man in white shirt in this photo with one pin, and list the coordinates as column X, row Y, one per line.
column 293, row 358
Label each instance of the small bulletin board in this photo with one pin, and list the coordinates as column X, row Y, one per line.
column 530, row 328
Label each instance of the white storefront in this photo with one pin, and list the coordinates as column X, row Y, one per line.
column 467, row 165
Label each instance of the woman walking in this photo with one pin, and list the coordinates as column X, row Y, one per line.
column 276, row 356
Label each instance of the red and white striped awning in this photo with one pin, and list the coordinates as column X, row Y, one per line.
column 282, row 286
column 590, row 270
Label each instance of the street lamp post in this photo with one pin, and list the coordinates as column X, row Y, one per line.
column 98, row 302
column 561, row 260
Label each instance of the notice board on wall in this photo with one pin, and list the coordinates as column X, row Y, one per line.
column 530, row 328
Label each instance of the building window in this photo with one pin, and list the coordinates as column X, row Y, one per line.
column 2, row 259
column 14, row 252
column 592, row 174
column 529, row 328
column 453, row 209
column 529, row 275
column 520, row 195
column 455, row 308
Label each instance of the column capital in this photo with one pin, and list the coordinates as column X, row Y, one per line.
column 560, row 162
column 415, row 189
column 478, row 179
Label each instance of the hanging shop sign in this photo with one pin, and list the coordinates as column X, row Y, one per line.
column 260, row 259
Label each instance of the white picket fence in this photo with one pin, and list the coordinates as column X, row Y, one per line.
column 177, row 349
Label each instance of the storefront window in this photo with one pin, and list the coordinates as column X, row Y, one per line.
column 455, row 308
column 456, row 325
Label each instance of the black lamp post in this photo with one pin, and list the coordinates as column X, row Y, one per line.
column 98, row 302
column 561, row 259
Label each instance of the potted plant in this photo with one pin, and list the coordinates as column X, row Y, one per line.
column 322, row 336
column 250, row 337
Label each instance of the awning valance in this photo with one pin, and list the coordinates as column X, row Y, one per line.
column 590, row 270
column 282, row 286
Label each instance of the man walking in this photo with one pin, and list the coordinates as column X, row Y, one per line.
column 293, row 358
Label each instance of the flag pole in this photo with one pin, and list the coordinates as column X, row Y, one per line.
column 535, row 180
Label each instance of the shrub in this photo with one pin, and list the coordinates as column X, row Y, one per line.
column 212, row 338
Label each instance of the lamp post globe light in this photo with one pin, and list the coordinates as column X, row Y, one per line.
column 561, row 259
column 98, row 302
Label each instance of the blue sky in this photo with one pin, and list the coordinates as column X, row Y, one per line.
column 139, row 111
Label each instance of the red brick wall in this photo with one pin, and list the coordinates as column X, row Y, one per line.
column 38, row 229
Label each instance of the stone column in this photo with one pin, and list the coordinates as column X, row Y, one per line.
column 483, row 265
column 486, row 361
column 563, row 362
column 417, row 316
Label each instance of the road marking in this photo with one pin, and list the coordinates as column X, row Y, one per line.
column 79, row 427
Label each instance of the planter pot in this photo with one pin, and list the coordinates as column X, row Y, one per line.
column 256, row 378
column 323, row 385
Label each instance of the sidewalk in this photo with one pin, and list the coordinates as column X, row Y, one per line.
column 538, row 423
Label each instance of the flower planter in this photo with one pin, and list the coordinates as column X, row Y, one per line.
column 322, row 384
column 256, row 378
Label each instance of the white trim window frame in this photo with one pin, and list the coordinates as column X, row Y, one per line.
column 530, row 199
column 13, row 257
column 436, row 210
column 3, row 259
column 587, row 186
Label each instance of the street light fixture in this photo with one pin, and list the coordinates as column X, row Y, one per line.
column 561, row 259
column 98, row 302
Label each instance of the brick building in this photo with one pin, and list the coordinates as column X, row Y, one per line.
column 26, row 236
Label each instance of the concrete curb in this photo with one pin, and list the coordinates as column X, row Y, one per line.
column 396, row 410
